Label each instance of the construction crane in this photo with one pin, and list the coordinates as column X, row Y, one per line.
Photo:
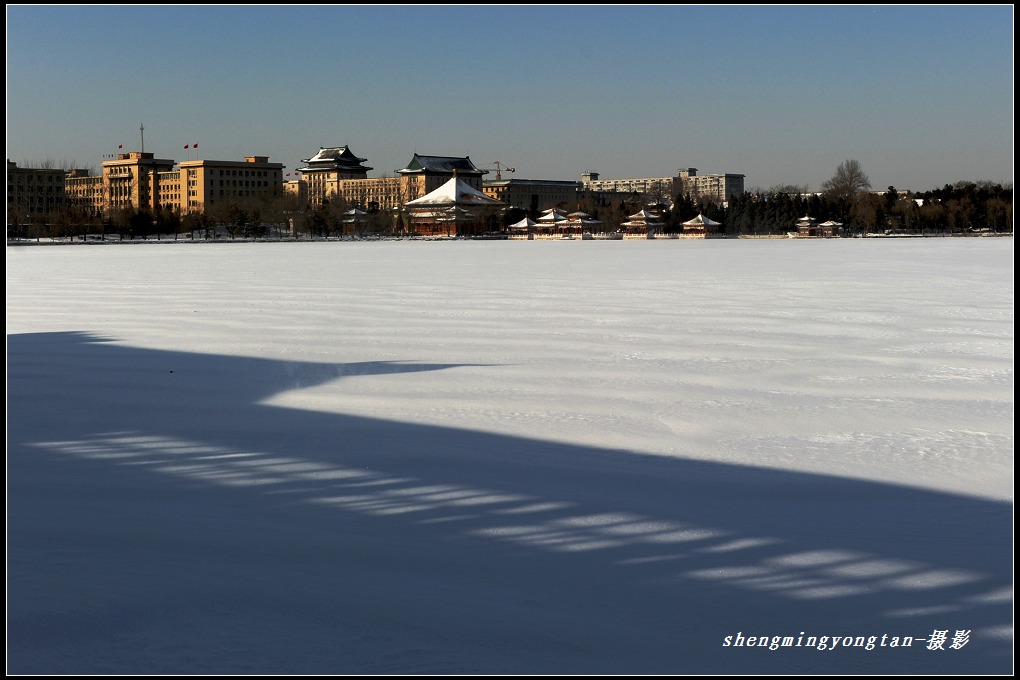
column 500, row 167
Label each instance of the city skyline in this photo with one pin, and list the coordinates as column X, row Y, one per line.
column 920, row 95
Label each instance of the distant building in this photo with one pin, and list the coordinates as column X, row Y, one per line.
column 664, row 186
column 325, row 174
column 200, row 185
column 85, row 192
column 33, row 191
column 131, row 180
column 298, row 188
column 716, row 188
column 533, row 195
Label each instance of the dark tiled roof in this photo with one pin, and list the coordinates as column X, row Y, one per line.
column 335, row 153
column 335, row 157
column 441, row 164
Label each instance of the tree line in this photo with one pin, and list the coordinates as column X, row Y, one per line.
column 960, row 208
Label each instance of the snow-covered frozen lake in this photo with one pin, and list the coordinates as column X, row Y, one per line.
column 510, row 457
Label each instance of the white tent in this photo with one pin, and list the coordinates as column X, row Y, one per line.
column 455, row 192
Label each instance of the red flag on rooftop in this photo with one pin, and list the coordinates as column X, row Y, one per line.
column 195, row 145
column 186, row 146
column 120, row 146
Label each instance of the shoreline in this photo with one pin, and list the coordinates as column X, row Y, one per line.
column 213, row 241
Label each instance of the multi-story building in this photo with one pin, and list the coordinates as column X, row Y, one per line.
column 298, row 188
column 324, row 173
column 533, row 195
column 131, row 180
column 85, row 192
column 201, row 185
column 33, row 191
column 664, row 186
column 716, row 188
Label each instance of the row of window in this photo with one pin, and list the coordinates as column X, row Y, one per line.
column 11, row 189
column 38, row 179
column 238, row 173
column 237, row 183
column 32, row 201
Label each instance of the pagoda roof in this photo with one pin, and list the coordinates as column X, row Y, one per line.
column 335, row 157
column 642, row 223
column 701, row 220
column 526, row 222
column 334, row 153
column 441, row 164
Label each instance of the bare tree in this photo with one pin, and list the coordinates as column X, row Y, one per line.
column 844, row 187
column 848, row 181
column 789, row 189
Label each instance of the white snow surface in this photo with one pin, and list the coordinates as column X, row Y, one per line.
column 520, row 457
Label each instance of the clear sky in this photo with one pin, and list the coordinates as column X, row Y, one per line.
column 922, row 96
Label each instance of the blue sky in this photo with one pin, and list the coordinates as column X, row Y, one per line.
column 920, row 95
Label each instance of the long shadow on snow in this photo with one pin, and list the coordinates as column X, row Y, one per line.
column 162, row 520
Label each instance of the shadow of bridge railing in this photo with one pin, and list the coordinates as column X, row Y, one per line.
column 438, row 550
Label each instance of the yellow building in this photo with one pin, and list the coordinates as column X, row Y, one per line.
column 85, row 192
column 335, row 174
column 298, row 188
column 201, row 185
column 131, row 181
column 379, row 193
column 324, row 172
